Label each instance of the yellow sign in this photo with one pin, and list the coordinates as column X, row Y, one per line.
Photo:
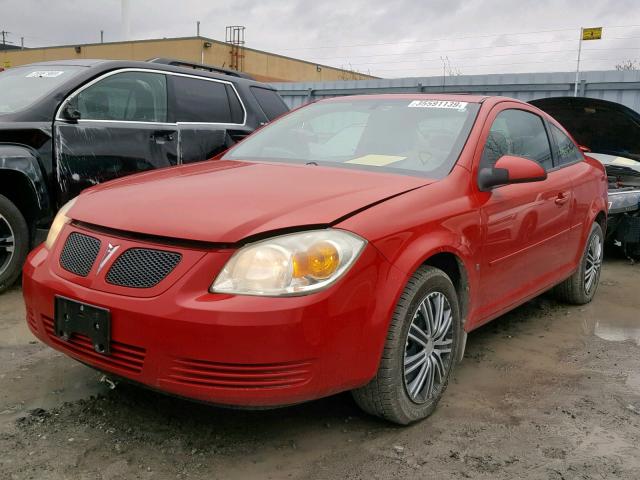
column 592, row 33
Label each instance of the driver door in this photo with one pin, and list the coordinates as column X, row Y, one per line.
column 525, row 226
column 122, row 129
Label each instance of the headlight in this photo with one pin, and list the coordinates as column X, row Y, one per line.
column 294, row 264
column 58, row 223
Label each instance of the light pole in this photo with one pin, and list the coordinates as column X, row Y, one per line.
column 593, row 33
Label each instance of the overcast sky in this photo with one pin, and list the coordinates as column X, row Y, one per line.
column 386, row 38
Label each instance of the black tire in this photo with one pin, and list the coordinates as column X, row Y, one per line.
column 574, row 289
column 12, row 223
column 387, row 395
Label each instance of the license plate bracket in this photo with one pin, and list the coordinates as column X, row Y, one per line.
column 72, row 317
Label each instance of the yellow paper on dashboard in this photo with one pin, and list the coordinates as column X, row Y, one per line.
column 376, row 160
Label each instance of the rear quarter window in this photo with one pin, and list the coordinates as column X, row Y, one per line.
column 272, row 105
column 567, row 152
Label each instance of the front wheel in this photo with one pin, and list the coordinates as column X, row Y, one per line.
column 14, row 242
column 420, row 351
column 580, row 287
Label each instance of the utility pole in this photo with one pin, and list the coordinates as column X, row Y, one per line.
column 198, row 28
column 21, row 43
column 4, row 39
column 101, row 36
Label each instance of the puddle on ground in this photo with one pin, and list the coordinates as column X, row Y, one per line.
column 47, row 383
column 13, row 326
column 35, row 376
column 75, row 384
column 613, row 329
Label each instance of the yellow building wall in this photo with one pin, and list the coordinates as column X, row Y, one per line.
column 263, row 66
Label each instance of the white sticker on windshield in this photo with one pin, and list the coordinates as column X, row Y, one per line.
column 45, row 74
column 439, row 104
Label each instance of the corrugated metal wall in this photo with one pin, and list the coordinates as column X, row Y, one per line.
column 621, row 87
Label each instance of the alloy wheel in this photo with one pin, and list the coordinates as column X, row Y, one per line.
column 7, row 244
column 427, row 354
column 593, row 263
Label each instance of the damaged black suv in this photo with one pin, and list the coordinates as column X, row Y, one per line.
column 611, row 134
column 67, row 125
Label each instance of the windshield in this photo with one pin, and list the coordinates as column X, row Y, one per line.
column 23, row 86
column 423, row 137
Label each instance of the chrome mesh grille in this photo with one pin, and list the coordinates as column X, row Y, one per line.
column 79, row 253
column 142, row 267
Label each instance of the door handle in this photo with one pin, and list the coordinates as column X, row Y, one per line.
column 237, row 135
column 562, row 198
column 162, row 137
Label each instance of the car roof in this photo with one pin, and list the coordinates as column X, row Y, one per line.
column 105, row 65
column 84, row 62
column 456, row 97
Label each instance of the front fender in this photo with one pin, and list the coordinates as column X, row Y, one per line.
column 25, row 161
column 411, row 228
column 412, row 254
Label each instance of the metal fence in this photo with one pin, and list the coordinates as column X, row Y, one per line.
column 620, row 87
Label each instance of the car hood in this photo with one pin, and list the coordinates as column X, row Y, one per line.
column 626, row 171
column 227, row 201
column 616, row 161
column 603, row 126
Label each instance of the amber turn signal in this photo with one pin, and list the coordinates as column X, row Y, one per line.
column 320, row 261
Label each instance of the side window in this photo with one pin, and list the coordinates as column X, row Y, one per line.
column 567, row 150
column 201, row 101
column 271, row 103
column 126, row 96
column 519, row 133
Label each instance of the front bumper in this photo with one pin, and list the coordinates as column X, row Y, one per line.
column 226, row 349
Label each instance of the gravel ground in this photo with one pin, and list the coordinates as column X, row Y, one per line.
column 546, row 392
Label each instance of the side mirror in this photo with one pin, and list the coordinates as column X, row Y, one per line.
column 70, row 113
column 584, row 149
column 511, row 169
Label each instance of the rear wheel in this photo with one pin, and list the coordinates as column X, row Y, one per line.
column 419, row 353
column 14, row 242
column 580, row 287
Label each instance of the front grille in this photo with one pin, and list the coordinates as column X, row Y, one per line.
column 142, row 267
column 128, row 358
column 230, row 375
column 79, row 253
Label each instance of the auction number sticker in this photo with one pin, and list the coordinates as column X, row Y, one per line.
column 439, row 104
column 45, row 74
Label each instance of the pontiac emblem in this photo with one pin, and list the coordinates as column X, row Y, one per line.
column 111, row 249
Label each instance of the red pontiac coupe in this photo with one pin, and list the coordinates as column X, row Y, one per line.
column 350, row 245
